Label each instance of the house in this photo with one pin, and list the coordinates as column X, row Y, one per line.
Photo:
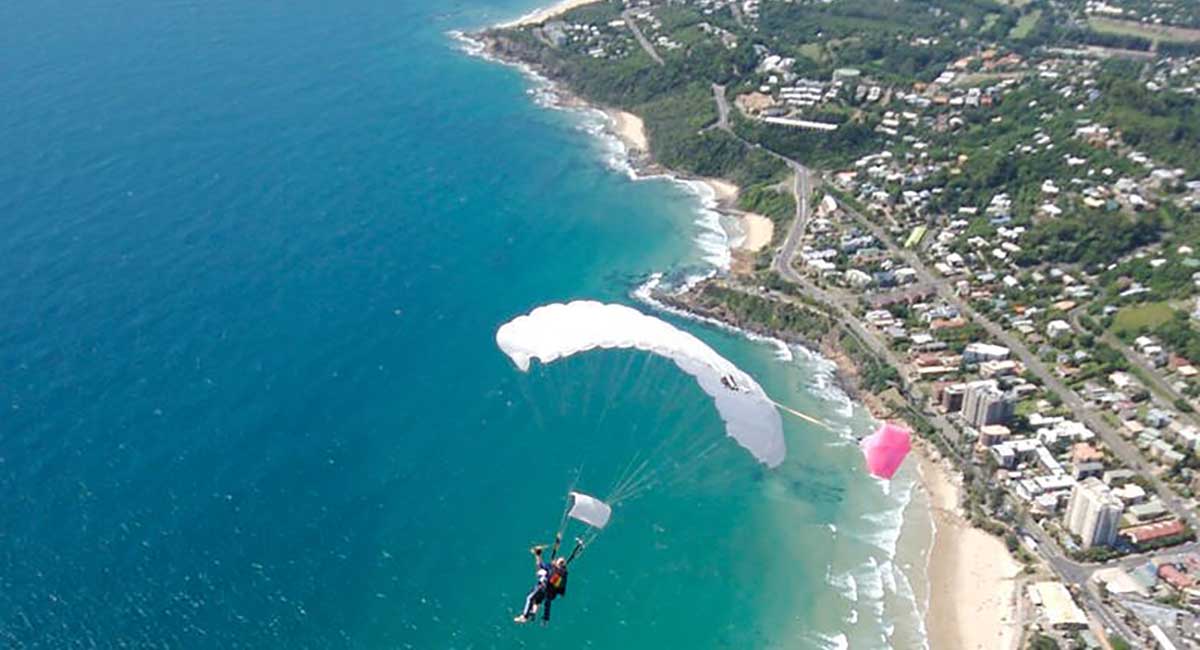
column 1118, row 477
column 979, row 352
column 1056, row 605
column 1085, row 470
column 1147, row 533
column 1057, row 328
column 990, row 369
column 1130, row 493
column 1148, row 511
column 1082, row 452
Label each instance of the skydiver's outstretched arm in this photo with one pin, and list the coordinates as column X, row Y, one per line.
column 554, row 549
column 575, row 551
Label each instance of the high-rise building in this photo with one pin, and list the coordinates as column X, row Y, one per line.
column 952, row 397
column 984, row 404
column 1094, row 513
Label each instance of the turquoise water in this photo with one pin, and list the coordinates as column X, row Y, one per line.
column 253, row 257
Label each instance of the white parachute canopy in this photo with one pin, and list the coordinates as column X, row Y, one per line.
column 560, row 330
column 589, row 510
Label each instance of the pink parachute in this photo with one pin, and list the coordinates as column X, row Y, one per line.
column 885, row 449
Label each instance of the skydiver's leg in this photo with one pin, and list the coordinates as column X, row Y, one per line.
column 546, row 610
column 531, row 604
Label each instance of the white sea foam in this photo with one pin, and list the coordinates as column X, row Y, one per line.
column 823, row 383
column 832, row 642
column 716, row 236
column 905, row 590
column 846, row 585
column 885, row 529
column 870, row 584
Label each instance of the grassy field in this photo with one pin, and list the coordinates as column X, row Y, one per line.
column 1025, row 24
column 1162, row 33
column 814, row 51
column 1134, row 317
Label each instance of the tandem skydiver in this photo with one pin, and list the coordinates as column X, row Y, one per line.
column 551, row 580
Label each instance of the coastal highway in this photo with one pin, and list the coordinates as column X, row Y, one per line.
column 842, row 303
column 1089, row 416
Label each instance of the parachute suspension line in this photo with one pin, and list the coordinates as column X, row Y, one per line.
column 802, row 416
column 640, row 473
column 633, row 478
column 685, row 427
column 614, row 387
column 562, row 522
column 692, row 467
column 681, row 473
column 647, row 476
column 537, row 412
column 625, row 475
column 638, row 488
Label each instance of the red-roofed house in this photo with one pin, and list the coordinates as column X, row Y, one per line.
column 1176, row 578
column 1139, row 535
column 1082, row 452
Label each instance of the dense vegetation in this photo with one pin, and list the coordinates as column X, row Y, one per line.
column 674, row 100
column 1088, row 239
column 1179, row 335
column 879, row 37
column 754, row 312
column 1166, row 123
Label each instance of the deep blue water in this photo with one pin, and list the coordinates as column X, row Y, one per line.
column 252, row 257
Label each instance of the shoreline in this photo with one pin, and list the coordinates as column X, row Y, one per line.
column 973, row 579
column 753, row 232
column 757, row 231
column 970, row 579
column 538, row 16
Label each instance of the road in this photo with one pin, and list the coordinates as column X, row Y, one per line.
column 1074, row 573
column 641, row 38
column 722, row 108
column 1150, row 375
column 1089, row 416
column 1153, row 376
column 843, row 303
column 736, row 8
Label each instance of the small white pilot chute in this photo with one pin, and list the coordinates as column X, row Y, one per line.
column 589, row 510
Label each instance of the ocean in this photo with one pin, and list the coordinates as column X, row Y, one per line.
column 253, row 259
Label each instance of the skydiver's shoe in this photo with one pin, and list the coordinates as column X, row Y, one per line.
column 520, row 618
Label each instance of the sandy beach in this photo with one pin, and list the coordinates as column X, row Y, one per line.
column 726, row 192
column 972, row 577
column 759, row 232
column 540, row 16
column 630, row 129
